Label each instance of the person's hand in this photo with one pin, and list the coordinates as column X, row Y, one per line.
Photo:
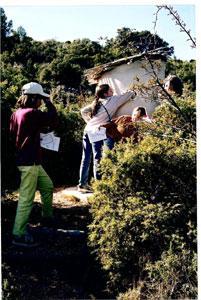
column 134, row 94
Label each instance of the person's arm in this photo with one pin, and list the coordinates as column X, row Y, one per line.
column 118, row 101
column 123, row 98
column 49, row 117
column 12, row 130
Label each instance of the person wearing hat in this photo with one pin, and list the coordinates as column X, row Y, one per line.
column 25, row 126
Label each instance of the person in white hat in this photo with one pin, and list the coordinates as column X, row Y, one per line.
column 25, row 126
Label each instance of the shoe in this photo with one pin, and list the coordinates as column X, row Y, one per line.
column 26, row 241
column 84, row 189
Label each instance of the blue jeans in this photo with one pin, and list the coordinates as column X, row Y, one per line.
column 88, row 149
column 109, row 143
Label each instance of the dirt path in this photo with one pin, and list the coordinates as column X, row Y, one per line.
column 62, row 266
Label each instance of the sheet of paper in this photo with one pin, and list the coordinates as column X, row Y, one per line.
column 49, row 141
column 96, row 134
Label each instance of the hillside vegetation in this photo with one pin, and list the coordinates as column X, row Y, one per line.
column 143, row 223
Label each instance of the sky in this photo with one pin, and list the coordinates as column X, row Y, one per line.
column 69, row 22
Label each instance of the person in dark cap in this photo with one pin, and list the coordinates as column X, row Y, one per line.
column 173, row 85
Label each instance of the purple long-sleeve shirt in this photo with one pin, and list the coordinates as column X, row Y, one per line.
column 25, row 127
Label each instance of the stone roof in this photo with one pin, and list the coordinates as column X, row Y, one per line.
column 95, row 73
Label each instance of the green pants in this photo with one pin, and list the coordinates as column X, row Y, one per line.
column 32, row 178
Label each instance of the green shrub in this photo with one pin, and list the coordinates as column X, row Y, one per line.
column 63, row 166
column 170, row 121
column 147, row 195
column 174, row 276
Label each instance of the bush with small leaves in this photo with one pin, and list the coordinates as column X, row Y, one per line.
column 64, row 166
column 147, row 195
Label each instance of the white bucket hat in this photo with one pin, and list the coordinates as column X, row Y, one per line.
column 34, row 88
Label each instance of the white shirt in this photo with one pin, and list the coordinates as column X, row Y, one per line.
column 112, row 104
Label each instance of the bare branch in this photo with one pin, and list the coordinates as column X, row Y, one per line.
column 156, row 18
column 178, row 21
